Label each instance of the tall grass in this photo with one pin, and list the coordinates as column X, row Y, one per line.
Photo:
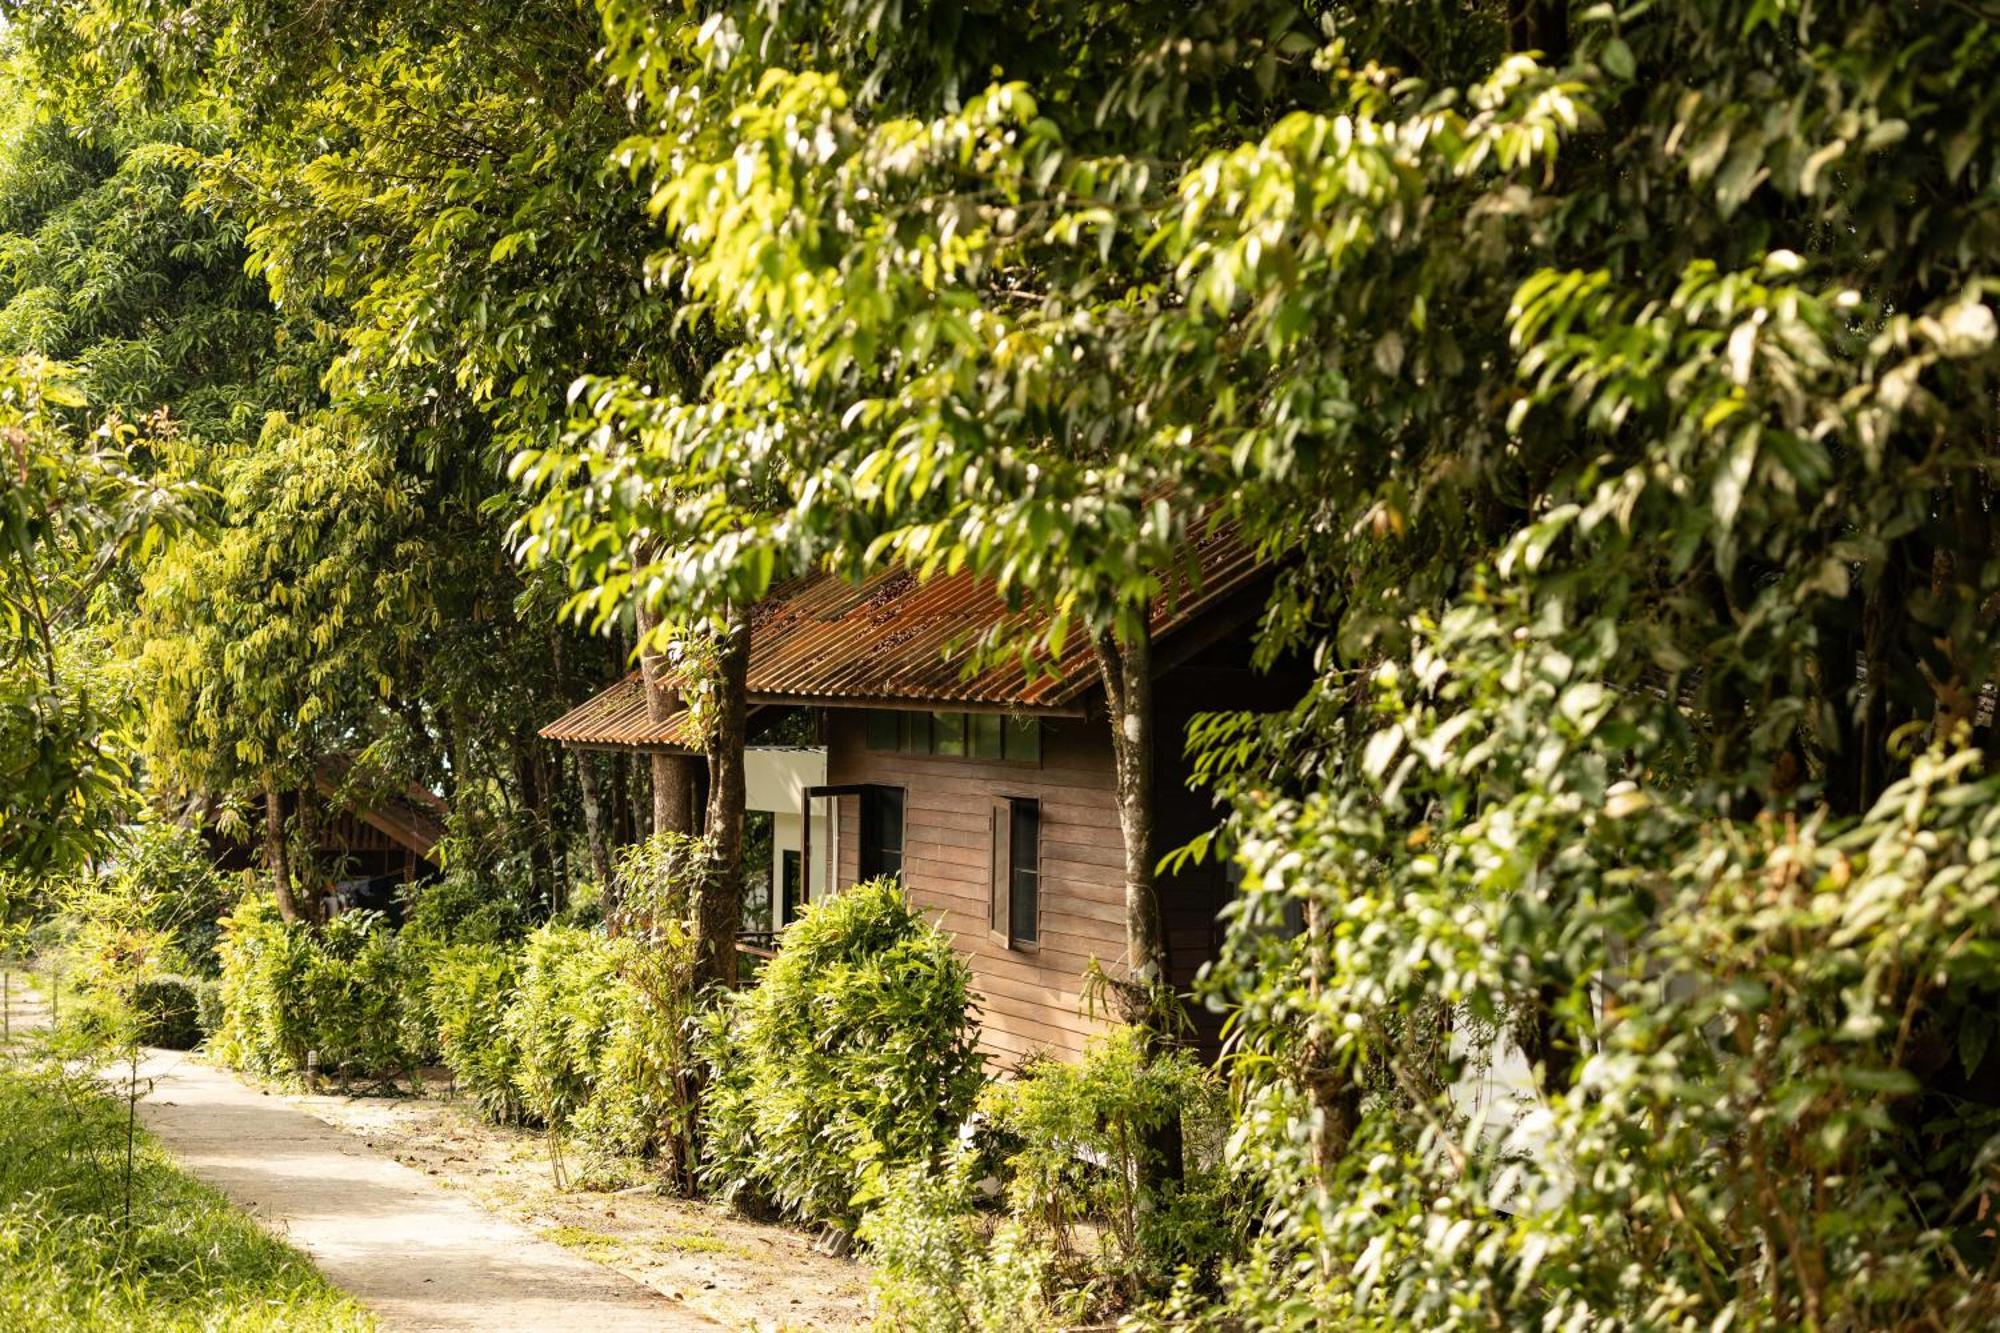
column 70, row 1258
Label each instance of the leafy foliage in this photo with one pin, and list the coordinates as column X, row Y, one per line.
column 935, row 1268
column 348, row 992
column 855, row 1046
column 187, row 1260
column 1075, row 1137
column 467, row 993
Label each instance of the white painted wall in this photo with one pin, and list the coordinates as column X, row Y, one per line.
column 775, row 780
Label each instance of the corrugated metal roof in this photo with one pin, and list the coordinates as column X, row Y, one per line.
column 897, row 641
column 619, row 717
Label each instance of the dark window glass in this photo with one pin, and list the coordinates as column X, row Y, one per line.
column 881, row 832
column 1024, row 907
column 982, row 738
column 916, row 732
column 1023, row 739
column 794, row 876
column 948, row 733
column 884, row 729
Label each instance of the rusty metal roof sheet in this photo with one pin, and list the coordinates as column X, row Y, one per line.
column 897, row 641
column 619, row 717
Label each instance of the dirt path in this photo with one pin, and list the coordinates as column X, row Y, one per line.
column 742, row 1273
column 418, row 1255
column 439, row 1219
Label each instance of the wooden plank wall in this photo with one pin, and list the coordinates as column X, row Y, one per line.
column 1029, row 1002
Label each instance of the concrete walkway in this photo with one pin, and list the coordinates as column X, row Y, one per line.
column 417, row 1255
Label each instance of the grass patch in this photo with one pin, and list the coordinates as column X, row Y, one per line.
column 699, row 1242
column 590, row 1244
column 184, row 1260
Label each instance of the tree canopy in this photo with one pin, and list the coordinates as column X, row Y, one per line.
column 1610, row 389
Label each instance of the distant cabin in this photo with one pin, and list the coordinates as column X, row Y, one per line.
column 367, row 841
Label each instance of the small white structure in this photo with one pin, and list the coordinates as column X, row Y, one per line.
column 775, row 779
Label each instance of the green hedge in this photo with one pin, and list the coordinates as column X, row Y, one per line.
column 855, row 1047
column 348, row 990
column 168, row 1011
column 468, row 990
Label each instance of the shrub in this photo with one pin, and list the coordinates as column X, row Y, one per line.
column 165, row 872
column 561, row 1018
column 598, row 1030
column 168, row 1012
column 1074, row 1137
column 939, row 1267
column 462, row 908
column 208, row 1006
column 349, row 991
column 856, row 1045
column 264, row 1028
column 467, row 992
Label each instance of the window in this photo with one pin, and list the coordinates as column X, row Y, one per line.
column 881, row 832
column 792, row 887
column 1017, row 871
column 957, row 735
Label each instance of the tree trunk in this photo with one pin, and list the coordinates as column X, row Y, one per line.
column 673, row 774
column 594, row 830
column 277, row 854
column 1332, row 1092
column 533, row 823
column 1539, row 25
column 1126, row 670
column 623, row 820
column 718, row 905
column 1146, row 995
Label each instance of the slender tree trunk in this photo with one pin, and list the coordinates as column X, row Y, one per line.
column 594, row 831
column 1126, row 670
column 718, row 906
column 533, row 823
column 1539, row 25
column 622, row 822
column 673, row 774
column 277, row 854
column 1146, row 993
column 1331, row 1092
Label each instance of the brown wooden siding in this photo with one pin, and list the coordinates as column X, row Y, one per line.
column 1029, row 1001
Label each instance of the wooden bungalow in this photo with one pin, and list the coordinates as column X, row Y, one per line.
column 367, row 841
column 990, row 792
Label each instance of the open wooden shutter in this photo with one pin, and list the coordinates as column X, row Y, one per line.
column 1000, row 890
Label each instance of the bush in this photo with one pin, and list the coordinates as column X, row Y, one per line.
column 938, row 1267
column 856, row 1046
column 349, row 990
column 462, row 908
column 208, row 1006
column 561, row 1018
column 598, row 1028
column 168, row 1012
column 467, row 993
column 1075, row 1137
column 165, row 872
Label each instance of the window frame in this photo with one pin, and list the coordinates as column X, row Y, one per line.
column 1003, row 873
column 955, row 734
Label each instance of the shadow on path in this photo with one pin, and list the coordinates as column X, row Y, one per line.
column 419, row 1256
